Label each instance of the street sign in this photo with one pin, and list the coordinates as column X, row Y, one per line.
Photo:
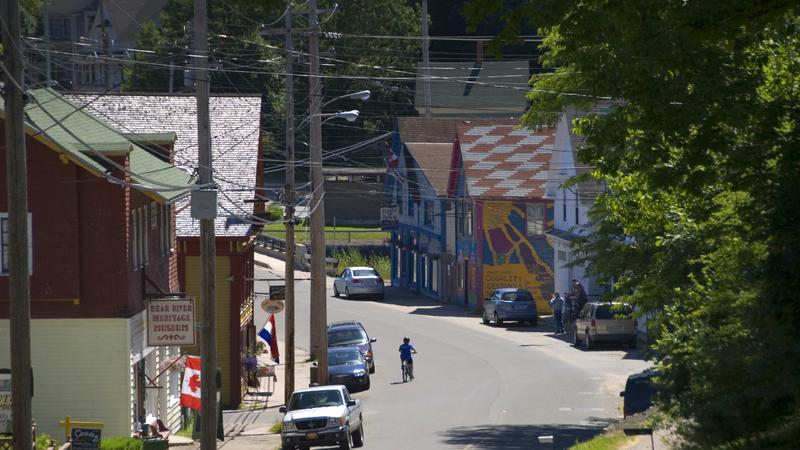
column 271, row 306
column 85, row 438
column 170, row 321
column 390, row 217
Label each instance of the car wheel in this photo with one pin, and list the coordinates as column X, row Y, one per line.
column 372, row 367
column 587, row 341
column 366, row 386
column 497, row 321
column 485, row 318
column 380, row 297
column 346, row 444
column 335, row 290
column 534, row 322
column 347, row 292
column 632, row 344
column 358, row 436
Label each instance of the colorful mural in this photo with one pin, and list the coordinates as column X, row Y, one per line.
column 512, row 259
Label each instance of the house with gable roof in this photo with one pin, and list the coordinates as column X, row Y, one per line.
column 498, row 177
column 418, row 187
column 101, row 229
column 238, row 172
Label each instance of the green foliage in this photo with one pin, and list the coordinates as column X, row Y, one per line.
column 187, row 430
column 700, row 149
column 44, row 441
column 274, row 212
column 121, row 443
column 353, row 257
column 275, row 428
column 609, row 441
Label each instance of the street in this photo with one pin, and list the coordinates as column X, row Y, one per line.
column 477, row 386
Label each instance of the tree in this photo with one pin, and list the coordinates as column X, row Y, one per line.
column 700, row 149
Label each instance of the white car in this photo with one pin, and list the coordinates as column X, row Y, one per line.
column 322, row 416
column 358, row 281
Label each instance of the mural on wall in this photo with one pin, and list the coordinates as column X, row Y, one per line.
column 512, row 259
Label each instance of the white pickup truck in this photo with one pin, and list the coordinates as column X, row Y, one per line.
column 322, row 416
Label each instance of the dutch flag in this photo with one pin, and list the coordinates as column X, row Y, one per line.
column 270, row 335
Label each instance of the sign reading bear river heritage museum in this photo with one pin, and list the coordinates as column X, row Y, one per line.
column 170, row 321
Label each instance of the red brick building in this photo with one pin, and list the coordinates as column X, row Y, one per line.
column 101, row 233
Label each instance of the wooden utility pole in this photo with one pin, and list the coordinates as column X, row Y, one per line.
column 426, row 63
column 46, row 22
column 208, row 250
column 289, row 267
column 17, row 188
column 319, row 313
column 105, row 36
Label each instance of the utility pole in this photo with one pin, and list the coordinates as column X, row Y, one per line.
column 106, row 38
column 46, row 22
column 17, row 188
column 426, row 63
column 289, row 267
column 208, row 250
column 319, row 313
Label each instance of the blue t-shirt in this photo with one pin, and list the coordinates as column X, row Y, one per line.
column 405, row 351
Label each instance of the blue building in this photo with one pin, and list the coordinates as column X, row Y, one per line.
column 416, row 188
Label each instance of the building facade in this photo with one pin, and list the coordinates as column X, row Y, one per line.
column 238, row 173
column 100, row 247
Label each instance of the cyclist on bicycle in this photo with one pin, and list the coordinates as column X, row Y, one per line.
column 405, row 355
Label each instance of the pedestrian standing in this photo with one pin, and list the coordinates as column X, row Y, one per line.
column 579, row 294
column 557, row 303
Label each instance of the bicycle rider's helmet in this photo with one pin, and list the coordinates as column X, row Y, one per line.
column 406, row 339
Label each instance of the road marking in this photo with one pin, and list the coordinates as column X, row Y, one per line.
column 581, row 409
column 591, row 393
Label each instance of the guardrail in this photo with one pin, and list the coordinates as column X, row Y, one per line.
column 271, row 242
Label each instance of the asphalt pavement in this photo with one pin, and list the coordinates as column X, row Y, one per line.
column 476, row 386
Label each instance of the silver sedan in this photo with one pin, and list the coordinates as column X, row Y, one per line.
column 358, row 281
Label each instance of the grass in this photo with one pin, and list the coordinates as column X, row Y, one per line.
column 187, row 431
column 275, row 428
column 121, row 443
column 353, row 257
column 609, row 441
column 342, row 235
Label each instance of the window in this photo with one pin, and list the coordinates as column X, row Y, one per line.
column 468, row 212
column 4, row 243
column 165, row 232
column 139, row 232
column 153, row 216
column 135, row 238
column 60, row 28
column 429, row 213
column 414, row 267
column 564, row 206
column 435, row 275
column 459, row 217
column 577, row 213
column 424, row 271
column 535, row 219
column 410, row 204
column 562, row 255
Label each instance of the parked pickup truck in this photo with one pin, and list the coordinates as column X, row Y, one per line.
column 322, row 416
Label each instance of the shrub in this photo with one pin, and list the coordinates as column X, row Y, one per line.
column 44, row 441
column 353, row 257
column 274, row 212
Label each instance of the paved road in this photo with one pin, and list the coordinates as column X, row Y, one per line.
column 477, row 387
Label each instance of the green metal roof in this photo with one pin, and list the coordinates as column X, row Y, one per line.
column 85, row 139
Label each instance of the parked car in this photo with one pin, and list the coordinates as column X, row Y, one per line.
column 347, row 366
column 352, row 334
column 358, row 281
column 322, row 416
column 510, row 304
column 606, row 322
column 639, row 391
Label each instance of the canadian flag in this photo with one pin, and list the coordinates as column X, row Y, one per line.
column 394, row 161
column 190, row 389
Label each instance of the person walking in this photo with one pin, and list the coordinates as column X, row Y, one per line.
column 557, row 303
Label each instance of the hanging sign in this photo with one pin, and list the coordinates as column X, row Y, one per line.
column 170, row 321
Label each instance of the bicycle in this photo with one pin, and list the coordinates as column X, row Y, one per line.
column 407, row 371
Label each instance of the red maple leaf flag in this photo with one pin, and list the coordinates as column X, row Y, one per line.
column 190, row 389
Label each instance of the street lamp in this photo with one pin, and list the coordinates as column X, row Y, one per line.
column 360, row 95
column 349, row 116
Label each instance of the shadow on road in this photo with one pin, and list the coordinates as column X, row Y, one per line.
column 522, row 437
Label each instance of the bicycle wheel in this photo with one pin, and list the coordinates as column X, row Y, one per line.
column 405, row 373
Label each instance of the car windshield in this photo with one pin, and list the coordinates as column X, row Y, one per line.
column 519, row 295
column 349, row 336
column 348, row 357
column 315, row 399
column 614, row 312
column 365, row 273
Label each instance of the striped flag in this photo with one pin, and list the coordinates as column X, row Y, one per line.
column 270, row 335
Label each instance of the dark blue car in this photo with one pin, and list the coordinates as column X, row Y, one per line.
column 347, row 366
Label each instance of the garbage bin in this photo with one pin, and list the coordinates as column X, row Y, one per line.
column 313, row 379
column 155, row 444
